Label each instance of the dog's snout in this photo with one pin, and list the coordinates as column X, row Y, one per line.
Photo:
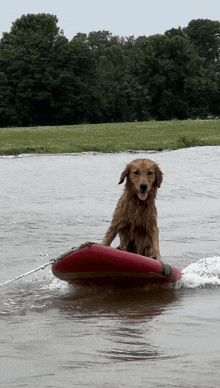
column 143, row 187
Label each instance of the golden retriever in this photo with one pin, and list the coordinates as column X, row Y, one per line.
column 135, row 216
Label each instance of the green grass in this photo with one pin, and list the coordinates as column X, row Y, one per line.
column 150, row 135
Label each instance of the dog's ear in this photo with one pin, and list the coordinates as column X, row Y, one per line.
column 159, row 176
column 125, row 174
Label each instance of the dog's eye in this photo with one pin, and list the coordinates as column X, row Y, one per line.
column 136, row 172
column 150, row 172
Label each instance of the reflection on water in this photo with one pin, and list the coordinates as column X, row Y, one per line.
column 85, row 302
column 130, row 307
column 135, row 305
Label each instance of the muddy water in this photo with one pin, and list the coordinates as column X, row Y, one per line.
column 54, row 335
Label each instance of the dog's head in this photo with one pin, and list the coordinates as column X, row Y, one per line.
column 143, row 176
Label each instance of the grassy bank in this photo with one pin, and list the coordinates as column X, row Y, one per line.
column 151, row 135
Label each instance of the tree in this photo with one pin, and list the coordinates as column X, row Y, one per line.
column 73, row 82
column 51, row 80
column 172, row 71
column 175, row 32
column 205, row 35
column 25, row 61
column 7, row 111
column 111, row 54
column 99, row 77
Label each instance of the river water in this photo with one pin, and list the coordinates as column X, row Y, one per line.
column 55, row 335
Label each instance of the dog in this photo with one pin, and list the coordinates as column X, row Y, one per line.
column 135, row 216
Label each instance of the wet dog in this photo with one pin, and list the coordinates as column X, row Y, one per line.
column 135, row 216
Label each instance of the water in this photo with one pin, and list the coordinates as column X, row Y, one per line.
column 55, row 335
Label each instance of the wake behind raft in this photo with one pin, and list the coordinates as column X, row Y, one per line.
column 93, row 264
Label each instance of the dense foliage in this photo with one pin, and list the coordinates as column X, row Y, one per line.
column 47, row 80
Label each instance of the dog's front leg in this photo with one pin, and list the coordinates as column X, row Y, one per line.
column 109, row 236
column 155, row 244
column 114, row 227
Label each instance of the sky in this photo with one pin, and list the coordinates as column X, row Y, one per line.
column 120, row 17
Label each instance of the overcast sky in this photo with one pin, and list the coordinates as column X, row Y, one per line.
column 121, row 17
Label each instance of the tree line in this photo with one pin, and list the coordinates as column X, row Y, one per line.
column 45, row 79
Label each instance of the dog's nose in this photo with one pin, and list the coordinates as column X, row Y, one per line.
column 143, row 187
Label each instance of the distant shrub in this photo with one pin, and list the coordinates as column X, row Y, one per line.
column 184, row 142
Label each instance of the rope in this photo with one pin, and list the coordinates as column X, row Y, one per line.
column 28, row 273
column 52, row 261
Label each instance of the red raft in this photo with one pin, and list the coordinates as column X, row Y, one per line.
column 93, row 264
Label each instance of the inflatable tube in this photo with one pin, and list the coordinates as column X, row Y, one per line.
column 100, row 265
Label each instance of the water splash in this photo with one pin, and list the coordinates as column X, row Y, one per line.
column 203, row 273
